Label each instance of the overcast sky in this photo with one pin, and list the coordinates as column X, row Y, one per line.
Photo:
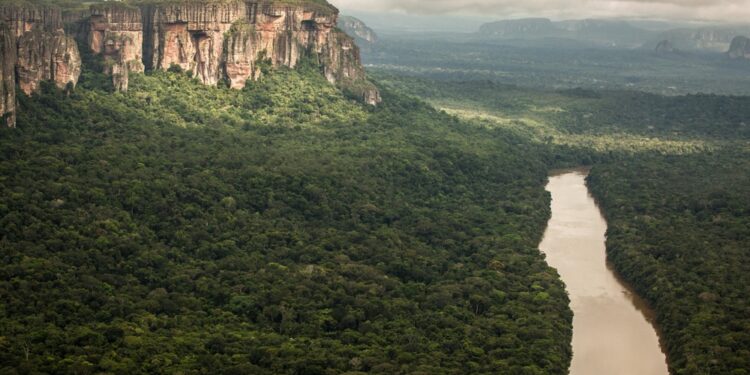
column 703, row 10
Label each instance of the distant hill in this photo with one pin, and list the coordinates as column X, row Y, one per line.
column 357, row 29
column 740, row 48
column 665, row 47
column 618, row 33
column 612, row 33
column 710, row 39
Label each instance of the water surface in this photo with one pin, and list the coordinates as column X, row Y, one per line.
column 612, row 329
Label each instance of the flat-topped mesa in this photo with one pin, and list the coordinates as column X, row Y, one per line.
column 216, row 40
column 224, row 40
column 740, row 48
column 35, row 49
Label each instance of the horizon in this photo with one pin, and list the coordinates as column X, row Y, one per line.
column 692, row 11
column 400, row 21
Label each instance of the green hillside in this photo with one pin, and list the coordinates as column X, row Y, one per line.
column 281, row 229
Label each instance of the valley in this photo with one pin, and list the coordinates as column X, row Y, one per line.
column 622, row 133
column 239, row 187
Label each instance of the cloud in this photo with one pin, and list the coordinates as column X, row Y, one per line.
column 699, row 10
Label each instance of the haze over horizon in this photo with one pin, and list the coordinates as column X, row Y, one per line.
column 729, row 11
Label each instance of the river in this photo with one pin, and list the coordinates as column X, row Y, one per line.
column 612, row 329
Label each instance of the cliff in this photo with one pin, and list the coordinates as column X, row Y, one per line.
column 740, row 48
column 713, row 39
column 217, row 41
column 7, row 76
column 225, row 41
column 46, row 56
column 116, row 33
column 358, row 30
column 34, row 48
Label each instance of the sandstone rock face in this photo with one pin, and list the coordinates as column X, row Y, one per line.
column 228, row 40
column 7, row 76
column 217, row 41
column 22, row 19
column 241, row 59
column 34, row 48
column 44, row 56
column 740, row 48
column 342, row 65
column 190, row 35
column 116, row 32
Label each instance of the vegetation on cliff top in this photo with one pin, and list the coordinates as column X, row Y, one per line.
column 671, row 174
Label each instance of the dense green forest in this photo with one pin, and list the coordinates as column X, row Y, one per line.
column 679, row 229
column 557, row 64
column 672, row 177
column 589, row 112
column 287, row 229
column 281, row 229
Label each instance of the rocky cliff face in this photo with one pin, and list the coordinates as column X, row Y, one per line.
column 7, row 76
column 217, row 41
column 740, row 48
column 116, row 33
column 190, row 35
column 45, row 56
column 35, row 48
column 23, row 19
column 226, row 41
column 358, row 30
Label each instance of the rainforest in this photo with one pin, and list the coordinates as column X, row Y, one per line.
column 262, row 193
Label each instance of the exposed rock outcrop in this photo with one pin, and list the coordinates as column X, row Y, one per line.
column 358, row 30
column 22, row 19
column 7, row 76
column 216, row 40
column 34, row 49
column 45, row 56
column 740, row 48
column 219, row 41
column 190, row 35
column 116, row 32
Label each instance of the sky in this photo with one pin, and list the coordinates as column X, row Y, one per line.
column 729, row 11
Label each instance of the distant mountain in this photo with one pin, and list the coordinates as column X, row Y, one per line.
column 711, row 38
column 665, row 47
column 612, row 33
column 357, row 29
column 740, row 48
column 617, row 33
column 522, row 28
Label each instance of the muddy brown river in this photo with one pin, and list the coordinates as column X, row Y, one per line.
column 612, row 329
